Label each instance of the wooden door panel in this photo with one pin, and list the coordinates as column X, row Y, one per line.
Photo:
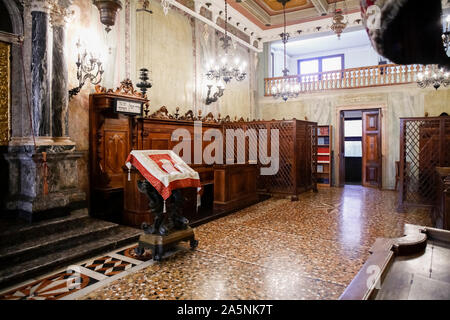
column 371, row 142
column 116, row 152
column 371, row 145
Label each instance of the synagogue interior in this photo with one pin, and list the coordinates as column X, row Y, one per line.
column 224, row 150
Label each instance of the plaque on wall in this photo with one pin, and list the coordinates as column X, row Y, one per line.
column 128, row 107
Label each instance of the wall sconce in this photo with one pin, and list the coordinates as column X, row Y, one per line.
column 108, row 10
column 216, row 95
column 89, row 68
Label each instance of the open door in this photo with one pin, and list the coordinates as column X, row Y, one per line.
column 371, row 147
column 341, row 150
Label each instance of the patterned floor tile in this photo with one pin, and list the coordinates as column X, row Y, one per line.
column 108, row 266
column 50, row 288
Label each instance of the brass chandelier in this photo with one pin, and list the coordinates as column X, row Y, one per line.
column 108, row 10
column 339, row 24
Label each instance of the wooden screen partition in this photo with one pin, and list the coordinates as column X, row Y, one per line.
column 297, row 154
column 424, row 145
column 113, row 135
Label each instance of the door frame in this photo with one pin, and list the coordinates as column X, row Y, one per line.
column 337, row 141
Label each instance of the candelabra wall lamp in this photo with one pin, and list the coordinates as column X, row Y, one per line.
column 89, row 68
column 210, row 99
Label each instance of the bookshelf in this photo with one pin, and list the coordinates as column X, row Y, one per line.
column 324, row 156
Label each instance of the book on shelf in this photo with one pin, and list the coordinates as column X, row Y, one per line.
column 323, row 141
column 323, row 180
column 320, row 168
column 322, row 131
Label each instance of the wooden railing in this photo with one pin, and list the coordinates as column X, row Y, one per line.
column 364, row 77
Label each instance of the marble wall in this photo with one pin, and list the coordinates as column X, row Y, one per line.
column 395, row 102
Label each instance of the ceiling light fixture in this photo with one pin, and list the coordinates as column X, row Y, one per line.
column 108, row 10
column 286, row 87
column 446, row 34
column 228, row 67
column 435, row 75
column 338, row 24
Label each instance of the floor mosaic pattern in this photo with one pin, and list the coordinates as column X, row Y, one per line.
column 276, row 249
column 76, row 278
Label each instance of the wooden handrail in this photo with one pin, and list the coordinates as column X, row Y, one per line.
column 363, row 77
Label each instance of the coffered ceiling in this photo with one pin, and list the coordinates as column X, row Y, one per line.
column 268, row 14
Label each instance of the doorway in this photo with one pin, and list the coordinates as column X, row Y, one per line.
column 360, row 147
column 353, row 146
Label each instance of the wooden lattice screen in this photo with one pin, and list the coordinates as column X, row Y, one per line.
column 297, row 154
column 424, row 144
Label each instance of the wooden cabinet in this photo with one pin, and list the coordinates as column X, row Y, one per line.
column 441, row 211
column 109, row 145
column 234, row 186
column 297, row 154
column 424, row 145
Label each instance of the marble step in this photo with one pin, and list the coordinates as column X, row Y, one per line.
column 112, row 239
column 13, row 232
column 49, row 242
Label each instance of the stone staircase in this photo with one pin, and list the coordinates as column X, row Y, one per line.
column 30, row 250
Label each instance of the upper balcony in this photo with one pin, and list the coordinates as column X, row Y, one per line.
column 362, row 77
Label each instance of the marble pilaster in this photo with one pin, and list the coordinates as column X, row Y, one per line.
column 59, row 96
column 40, row 77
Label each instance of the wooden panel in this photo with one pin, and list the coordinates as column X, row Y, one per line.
column 424, row 145
column 371, row 145
column 234, row 186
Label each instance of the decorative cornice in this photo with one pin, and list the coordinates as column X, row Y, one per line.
column 38, row 5
column 126, row 88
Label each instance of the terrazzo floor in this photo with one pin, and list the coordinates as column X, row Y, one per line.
column 276, row 249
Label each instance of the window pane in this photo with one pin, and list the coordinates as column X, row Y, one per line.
column 309, row 66
column 331, row 64
column 353, row 128
column 353, row 149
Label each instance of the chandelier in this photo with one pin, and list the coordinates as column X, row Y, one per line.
column 433, row 75
column 228, row 67
column 446, row 34
column 286, row 87
column 338, row 24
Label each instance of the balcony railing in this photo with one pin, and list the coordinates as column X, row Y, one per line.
column 364, row 77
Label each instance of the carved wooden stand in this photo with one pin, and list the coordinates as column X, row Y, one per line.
column 161, row 244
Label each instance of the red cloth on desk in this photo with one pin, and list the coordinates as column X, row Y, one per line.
column 164, row 169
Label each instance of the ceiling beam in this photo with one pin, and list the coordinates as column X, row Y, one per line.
column 321, row 6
